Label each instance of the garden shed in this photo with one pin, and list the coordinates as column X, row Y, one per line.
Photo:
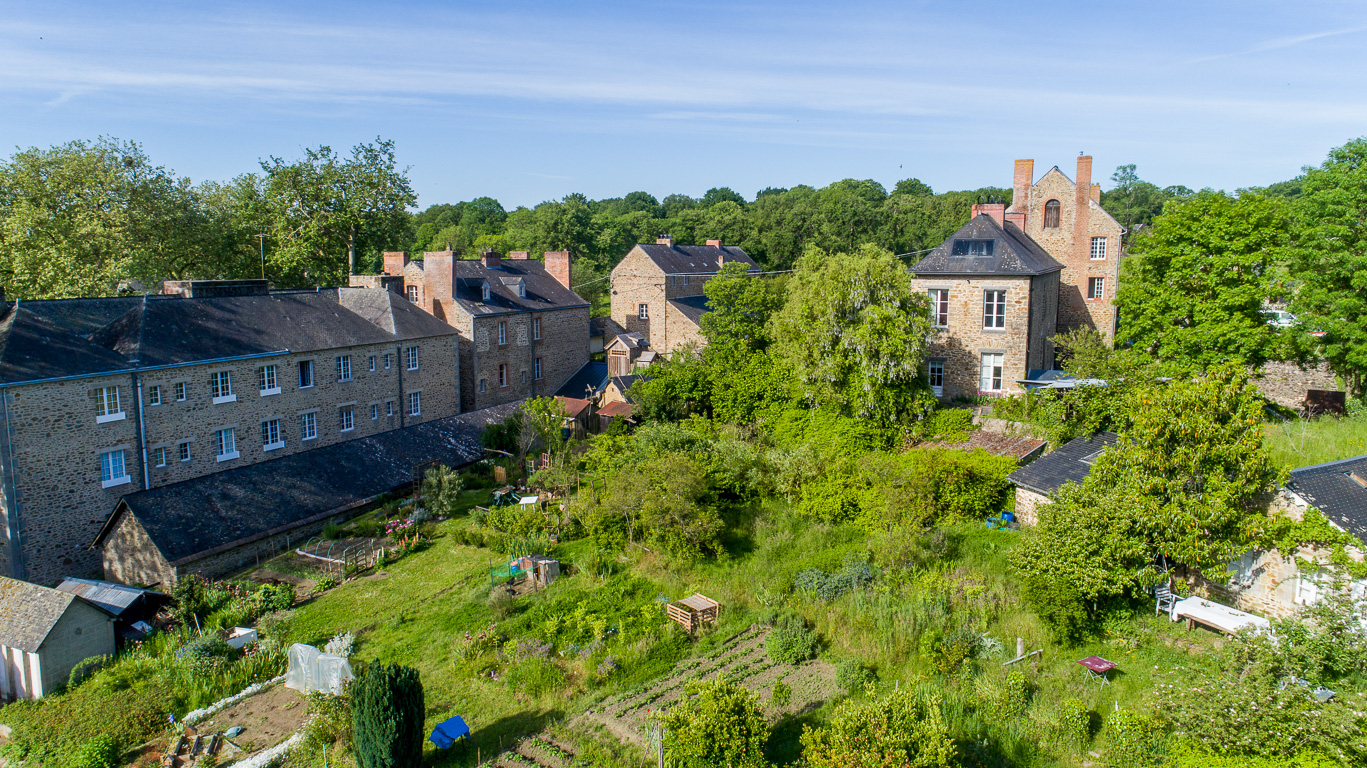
column 694, row 611
column 128, row 605
column 1037, row 482
column 44, row 634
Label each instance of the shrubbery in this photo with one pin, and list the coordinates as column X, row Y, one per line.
column 851, row 675
column 387, row 716
column 791, row 641
column 855, row 574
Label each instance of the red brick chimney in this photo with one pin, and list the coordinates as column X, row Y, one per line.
column 1082, row 210
column 490, row 259
column 1020, row 195
column 996, row 210
column 558, row 265
column 714, row 243
column 1096, row 192
column 438, row 276
column 395, row 261
column 517, row 255
column 665, row 240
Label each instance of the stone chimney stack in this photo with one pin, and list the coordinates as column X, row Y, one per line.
column 490, row 259
column 665, row 240
column 558, row 265
column 395, row 261
column 996, row 210
column 1096, row 192
column 1082, row 210
column 517, row 255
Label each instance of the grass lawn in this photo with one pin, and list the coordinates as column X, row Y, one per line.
column 1303, row 442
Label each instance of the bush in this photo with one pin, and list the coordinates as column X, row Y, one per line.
column 901, row 729
column 502, row 602
column 782, row 694
column 1074, row 722
column 791, row 641
column 275, row 597
column 441, row 490
column 855, row 574
column 949, row 425
column 947, row 654
column 1135, row 740
column 323, row 585
column 1015, row 695
column 387, row 717
column 715, row 723
column 99, row 752
column 852, row 675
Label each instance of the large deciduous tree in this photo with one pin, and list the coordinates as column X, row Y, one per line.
column 856, row 334
column 1193, row 289
column 326, row 213
column 740, row 307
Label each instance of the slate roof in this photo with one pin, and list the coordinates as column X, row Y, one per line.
column 1013, row 252
column 214, row 513
column 28, row 613
column 693, row 259
column 593, row 375
column 1331, row 489
column 54, row 339
column 543, row 290
column 624, row 384
column 1048, row 473
column 113, row 598
column 691, row 307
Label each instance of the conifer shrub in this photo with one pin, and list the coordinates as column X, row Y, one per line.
column 387, row 716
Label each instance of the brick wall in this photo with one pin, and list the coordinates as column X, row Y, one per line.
column 962, row 344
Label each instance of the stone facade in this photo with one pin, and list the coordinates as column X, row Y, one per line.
column 1286, row 383
column 650, row 275
column 680, row 330
column 562, row 349
column 1069, row 239
column 1027, row 506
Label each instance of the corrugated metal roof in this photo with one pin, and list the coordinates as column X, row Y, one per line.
column 115, row 598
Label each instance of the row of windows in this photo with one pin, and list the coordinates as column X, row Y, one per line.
column 108, row 401
column 503, row 375
column 677, row 280
column 994, row 304
column 989, row 378
column 114, row 468
column 503, row 331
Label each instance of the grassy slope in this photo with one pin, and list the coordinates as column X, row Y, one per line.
column 1300, row 443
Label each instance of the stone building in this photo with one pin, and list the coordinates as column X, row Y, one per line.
column 657, row 289
column 1037, row 482
column 44, row 635
column 101, row 398
column 1064, row 217
column 523, row 331
column 994, row 296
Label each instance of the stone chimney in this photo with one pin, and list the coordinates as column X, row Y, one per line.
column 490, row 259
column 996, row 210
column 714, row 243
column 395, row 261
column 665, row 240
column 558, row 266
column 517, row 255
column 1020, row 196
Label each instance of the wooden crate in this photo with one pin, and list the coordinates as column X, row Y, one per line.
column 693, row 612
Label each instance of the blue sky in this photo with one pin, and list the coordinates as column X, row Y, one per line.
column 530, row 101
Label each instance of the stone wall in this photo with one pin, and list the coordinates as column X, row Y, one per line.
column 637, row 280
column 563, row 349
column 963, row 342
column 681, row 331
column 1285, row 383
column 1027, row 506
column 130, row 557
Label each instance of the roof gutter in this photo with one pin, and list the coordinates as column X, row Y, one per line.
column 140, row 369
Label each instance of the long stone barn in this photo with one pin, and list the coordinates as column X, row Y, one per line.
column 222, row 523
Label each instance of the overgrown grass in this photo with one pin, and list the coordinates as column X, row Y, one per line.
column 1303, row 442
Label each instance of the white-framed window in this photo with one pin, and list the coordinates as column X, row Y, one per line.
column 503, row 374
column 181, row 390
column 643, row 311
column 536, row 368
column 305, row 374
column 991, row 380
column 994, row 309
column 388, row 361
column 154, row 394
column 685, row 277
column 374, row 411
column 159, row 456
column 414, row 403
column 522, row 290
column 536, row 329
column 502, row 332
column 113, row 470
column 412, row 354
column 389, row 407
column 1096, row 287
column 269, row 380
column 372, row 362
column 484, row 291
column 270, row 435
column 344, row 418
column 107, row 405
column 344, row 367
column 308, row 426
column 412, row 293
column 227, row 443
column 935, row 371
column 183, row 450
column 483, row 385
column 1098, row 249
column 1309, row 587
column 939, row 307
column 221, row 384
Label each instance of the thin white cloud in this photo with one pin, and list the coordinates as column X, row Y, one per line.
column 1281, row 42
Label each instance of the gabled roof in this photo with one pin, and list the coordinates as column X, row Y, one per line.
column 1014, row 253
column 590, row 377
column 193, row 518
column 691, row 307
column 693, row 259
column 543, row 290
column 28, row 613
column 617, row 408
column 1071, row 463
column 111, row 597
column 391, row 313
column 624, row 384
column 1332, row 489
column 573, row 405
column 32, row 347
column 631, row 341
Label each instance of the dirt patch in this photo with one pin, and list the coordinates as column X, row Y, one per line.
column 302, row 584
column 267, row 719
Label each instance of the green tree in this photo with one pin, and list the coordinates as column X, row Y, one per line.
column 716, row 724
column 441, row 488
column 1135, row 203
column 740, row 308
column 856, row 335
column 1329, row 257
column 325, row 213
column 1192, row 289
column 543, row 419
column 387, row 716
column 669, row 498
column 900, row 730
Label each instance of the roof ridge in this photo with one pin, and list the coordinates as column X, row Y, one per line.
column 1329, row 464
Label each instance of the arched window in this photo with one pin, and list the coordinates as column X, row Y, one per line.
column 1051, row 209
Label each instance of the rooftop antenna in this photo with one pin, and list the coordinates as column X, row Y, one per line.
column 261, row 240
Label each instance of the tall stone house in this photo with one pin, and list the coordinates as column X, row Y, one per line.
column 994, row 296
column 523, row 331
column 100, row 398
column 657, row 290
column 1064, row 216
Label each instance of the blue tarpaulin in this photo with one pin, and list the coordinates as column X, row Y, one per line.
column 445, row 735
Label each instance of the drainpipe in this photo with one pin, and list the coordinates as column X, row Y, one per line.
column 531, row 362
column 399, row 363
column 142, row 434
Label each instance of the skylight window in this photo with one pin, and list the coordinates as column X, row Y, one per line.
column 972, row 248
column 1091, row 457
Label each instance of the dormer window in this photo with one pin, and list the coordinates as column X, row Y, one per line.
column 1051, row 214
column 972, row 248
column 522, row 290
column 484, row 291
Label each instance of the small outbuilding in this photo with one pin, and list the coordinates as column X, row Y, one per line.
column 128, row 605
column 44, row 634
column 1037, row 482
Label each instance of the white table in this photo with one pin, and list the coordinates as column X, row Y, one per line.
column 1197, row 610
